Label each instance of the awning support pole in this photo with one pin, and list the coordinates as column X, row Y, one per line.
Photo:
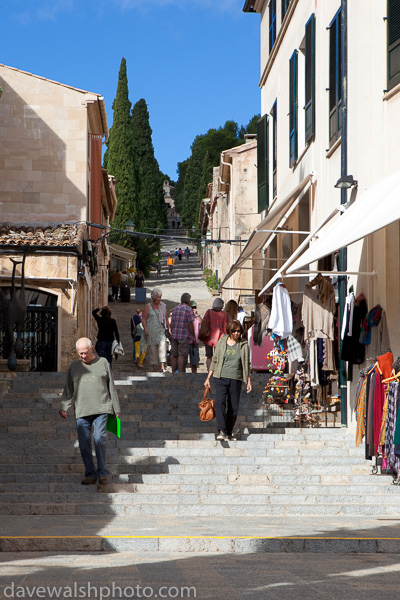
column 296, row 253
column 330, row 273
column 343, row 200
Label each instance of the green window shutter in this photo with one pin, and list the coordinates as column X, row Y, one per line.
column 335, row 68
column 262, row 164
column 274, row 114
column 293, row 107
column 393, row 42
column 310, row 79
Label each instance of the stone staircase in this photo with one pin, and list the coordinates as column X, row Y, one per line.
column 169, row 463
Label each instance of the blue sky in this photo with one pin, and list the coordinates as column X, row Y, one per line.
column 195, row 62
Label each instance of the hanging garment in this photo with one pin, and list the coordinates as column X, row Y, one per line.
column 317, row 318
column 371, row 320
column 294, row 349
column 379, row 400
column 360, row 407
column 261, row 321
column 385, row 363
column 369, row 430
column 352, row 349
column 347, row 324
column 281, row 320
column 392, row 459
column 380, row 342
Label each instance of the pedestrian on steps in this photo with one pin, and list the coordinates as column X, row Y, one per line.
column 107, row 333
column 115, row 281
column 155, row 325
column 90, row 387
column 170, row 263
column 217, row 319
column 180, row 254
column 182, row 331
column 230, row 366
column 194, row 356
column 136, row 333
column 231, row 309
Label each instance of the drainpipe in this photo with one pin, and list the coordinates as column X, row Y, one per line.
column 343, row 200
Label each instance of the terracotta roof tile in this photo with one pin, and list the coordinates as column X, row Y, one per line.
column 42, row 235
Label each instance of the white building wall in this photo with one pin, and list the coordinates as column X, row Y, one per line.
column 373, row 126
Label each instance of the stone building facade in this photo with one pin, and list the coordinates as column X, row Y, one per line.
column 52, row 187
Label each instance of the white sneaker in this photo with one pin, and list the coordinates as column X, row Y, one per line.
column 231, row 438
column 221, row 436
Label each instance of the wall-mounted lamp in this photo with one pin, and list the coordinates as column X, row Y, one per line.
column 203, row 243
column 218, row 245
column 346, row 182
column 129, row 226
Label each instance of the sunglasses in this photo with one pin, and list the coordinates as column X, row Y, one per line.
column 235, row 331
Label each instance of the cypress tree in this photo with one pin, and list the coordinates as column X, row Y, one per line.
column 193, row 176
column 152, row 207
column 118, row 158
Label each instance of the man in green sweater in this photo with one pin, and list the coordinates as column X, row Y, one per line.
column 90, row 385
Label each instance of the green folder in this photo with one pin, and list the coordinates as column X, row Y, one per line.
column 114, row 425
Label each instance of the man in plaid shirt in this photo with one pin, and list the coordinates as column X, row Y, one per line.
column 182, row 329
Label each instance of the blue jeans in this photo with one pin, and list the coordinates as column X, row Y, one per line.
column 84, row 426
column 104, row 349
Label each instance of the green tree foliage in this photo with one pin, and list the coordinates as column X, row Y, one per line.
column 179, row 187
column 192, row 191
column 152, row 207
column 118, row 158
column 251, row 127
column 217, row 140
column 196, row 172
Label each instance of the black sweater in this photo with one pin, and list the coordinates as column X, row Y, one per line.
column 108, row 330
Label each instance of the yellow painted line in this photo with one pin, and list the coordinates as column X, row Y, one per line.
column 206, row 537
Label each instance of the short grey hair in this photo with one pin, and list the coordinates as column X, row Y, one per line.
column 89, row 343
column 185, row 298
column 155, row 292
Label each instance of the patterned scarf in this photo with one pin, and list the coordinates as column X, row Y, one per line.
column 371, row 320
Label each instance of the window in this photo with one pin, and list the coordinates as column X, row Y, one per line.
column 335, row 68
column 272, row 23
column 393, row 43
column 284, row 7
column 262, row 164
column 274, row 149
column 293, row 152
column 309, row 107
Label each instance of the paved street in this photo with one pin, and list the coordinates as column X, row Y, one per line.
column 208, row 577
column 186, row 277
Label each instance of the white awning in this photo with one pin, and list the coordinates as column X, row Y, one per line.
column 376, row 208
column 276, row 218
column 122, row 252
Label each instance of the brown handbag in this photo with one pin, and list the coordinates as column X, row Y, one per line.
column 207, row 406
column 204, row 331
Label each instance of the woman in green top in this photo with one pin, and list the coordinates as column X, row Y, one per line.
column 230, row 366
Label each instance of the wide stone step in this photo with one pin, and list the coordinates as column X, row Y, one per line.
column 187, row 504
column 204, row 445
column 234, row 485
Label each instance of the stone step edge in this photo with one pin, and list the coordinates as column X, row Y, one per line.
column 181, row 543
